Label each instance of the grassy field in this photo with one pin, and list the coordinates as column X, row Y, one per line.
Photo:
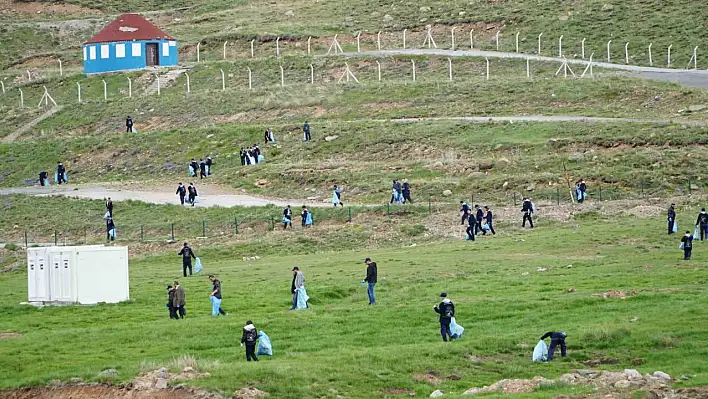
column 343, row 347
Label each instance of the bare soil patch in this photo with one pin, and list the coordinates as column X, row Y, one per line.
column 400, row 391
column 42, row 9
column 9, row 335
column 106, row 391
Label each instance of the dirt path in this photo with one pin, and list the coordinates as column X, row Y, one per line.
column 551, row 118
column 692, row 78
column 29, row 125
column 208, row 196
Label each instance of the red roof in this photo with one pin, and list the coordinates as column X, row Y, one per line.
column 129, row 27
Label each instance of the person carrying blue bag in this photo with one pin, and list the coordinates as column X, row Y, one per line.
column 287, row 218
column 671, row 219
column 60, row 176
column 701, row 225
column 580, row 190
column 215, row 297
column 297, row 288
column 110, row 229
column 446, row 310
column 249, row 338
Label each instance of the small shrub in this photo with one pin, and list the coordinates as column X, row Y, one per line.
column 12, row 247
column 414, row 230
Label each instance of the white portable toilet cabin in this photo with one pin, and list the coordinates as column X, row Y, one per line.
column 81, row 274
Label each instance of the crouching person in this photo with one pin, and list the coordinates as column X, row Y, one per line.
column 249, row 338
column 557, row 339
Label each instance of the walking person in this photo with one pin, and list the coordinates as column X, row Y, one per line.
column 129, row 124
column 170, row 302
column 406, row 192
column 479, row 216
column 557, row 339
column 489, row 218
column 297, row 287
column 371, row 279
column 192, row 192
column 187, row 256
column 178, row 301
column 193, row 168
column 306, row 216
column 580, row 190
column 465, row 210
column 471, row 228
column 202, row 169
column 109, row 207
column 527, row 210
column 182, row 192
column 249, row 338
column 215, row 297
column 287, row 218
column 446, row 310
column 687, row 245
column 110, row 229
column 671, row 219
column 337, row 197
column 60, row 177
column 702, row 224
column 209, row 163
column 306, row 131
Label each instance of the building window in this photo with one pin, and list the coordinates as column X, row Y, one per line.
column 92, row 52
column 85, row 53
column 104, row 51
column 165, row 50
column 173, row 43
column 137, row 50
column 120, row 50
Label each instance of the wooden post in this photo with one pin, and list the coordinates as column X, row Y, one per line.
column 130, row 88
column 172, row 231
column 198, row 45
column 225, row 43
column 78, row 86
column 223, row 80
column 253, row 40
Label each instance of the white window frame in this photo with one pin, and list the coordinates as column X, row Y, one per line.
column 85, row 53
column 136, row 50
column 120, row 50
column 92, row 52
column 165, row 49
column 173, row 43
column 105, row 51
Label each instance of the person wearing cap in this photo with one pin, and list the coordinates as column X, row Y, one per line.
column 298, row 282
column 557, row 338
column 371, row 278
column 446, row 310
column 702, row 224
column 671, row 218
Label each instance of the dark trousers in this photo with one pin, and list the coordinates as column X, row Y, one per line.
column 307, row 136
column 41, row 182
column 554, row 343
column 478, row 227
column 445, row 329
column 185, row 266
column 671, row 226
column 470, row 231
column 251, row 352
column 202, row 173
column 527, row 216
column 181, row 312
column 191, row 199
column 60, row 178
column 181, row 199
column 704, row 231
column 108, row 236
column 464, row 218
column 294, row 300
column 687, row 253
column 407, row 197
column 491, row 229
column 173, row 312
column 128, row 128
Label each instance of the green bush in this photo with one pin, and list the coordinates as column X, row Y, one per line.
column 414, row 230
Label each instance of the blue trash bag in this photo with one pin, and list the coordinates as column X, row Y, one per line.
column 540, row 352
column 485, row 226
column 308, row 220
column 196, row 199
column 106, row 215
column 681, row 245
column 467, row 237
column 264, row 345
column 286, row 220
column 261, row 158
column 66, row 178
column 335, row 198
column 675, row 228
column 696, row 234
column 112, row 233
column 215, row 305
column 302, row 298
column 191, row 171
column 197, row 265
column 46, row 183
column 455, row 329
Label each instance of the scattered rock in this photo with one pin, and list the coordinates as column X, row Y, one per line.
column 614, row 294
column 313, row 198
column 447, row 193
column 505, row 185
column 662, row 375
column 475, row 359
column 637, row 362
column 474, row 391
column 571, row 289
column 387, row 19
column 461, row 13
column 531, row 187
column 622, row 384
column 437, row 394
column 525, row 273
column 694, row 187
column 161, row 383
column 331, row 138
column 400, row 391
column 424, row 9
column 607, row 7
column 290, row 13
column 76, row 380
column 249, row 393
column 576, row 156
column 633, row 374
column 697, row 108
column 502, row 163
column 635, row 318
column 210, row 136
column 261, row 183
column 187, row 370
column 541, row 269
column 108, row 373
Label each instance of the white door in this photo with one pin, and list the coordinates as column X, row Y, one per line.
column 42, row 279
column 55, row 277
column 66, row 277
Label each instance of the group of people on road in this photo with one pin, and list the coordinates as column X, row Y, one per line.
column 189, row 192
column 60, row 176
column 401, row 192
column 203, row 167
column 479, row 221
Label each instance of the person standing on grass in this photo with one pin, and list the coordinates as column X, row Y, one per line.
column 527, row 210
column 249, row 338
column 406, row 192
column 182, row 192
column 192, row 191
column 479, row 216
column 306, row 217
column 202, row 169
column 170, row 302
column 465, row 210
column 287, row 218
column 702, row 223
column 687, row 245
column 110, row 229
column 215, row 297
column 446, row 310
column 557, row 339
column 109, row 207
column 178, row 301
column 581, row 190
column 128, row 124
column 61, row 173
column 371, row 279
column 187, row 256
column 471, row 228
column 298, row 282
column 193, row 168
column 489, row 219
column 671, row 218
column 209, row 162
column 337, row 197
column 306, row 131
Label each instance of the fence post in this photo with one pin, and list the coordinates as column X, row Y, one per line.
column 558, row 195
column 452, row 33
column 497, row 40
column 223, row 81
column 142, row 233
column 650, row 60
column 600, row 187
column 253, row 40
column 312, row 74
column 358, row 44
column 250, row 85
column 56, row 238
column 350, row 214
column 582, row 48
column 471, row 39
column 78, row 85
column 272, row 223
column 413, row 62
column 203, row 228
column 608, row 51
column 198, row 44
column 388, row 210
column 61, row 71
column 539, row 43
column 626, row 53
column 235, row 226
column 172, row 231
column 404, row 38
column 225, row 43
column 26, row 243
column 668, row 56
column 105, row 90
column 2, row 85
column 517, row 41
column 130, row 88
column 157, row 76
column 188, row 86
column 560, row 46
column 378, row 67
column 449, row 67
column 282, row 77
column 277, row 47
column 308, row 45
column 22, row 98
column 487, row 59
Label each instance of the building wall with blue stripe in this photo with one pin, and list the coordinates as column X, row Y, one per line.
column 123, row 56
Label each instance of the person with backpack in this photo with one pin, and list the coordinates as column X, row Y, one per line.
column 193, row 168
column 687, row 245
column 557, row 339
column 287, row 218
column 371, row 279
column 446, row 310
column 465, row 210
column 471, row 228
column 702, row 224
column 479, row 216
column 527, row 210
column 187, row 255
column 249, row 338
column 129, row 124
column 192, row 191
column 182, row 192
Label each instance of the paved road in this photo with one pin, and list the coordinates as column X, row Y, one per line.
column 157, row 197
column 692, row 78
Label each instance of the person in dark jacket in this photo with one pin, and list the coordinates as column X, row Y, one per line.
column 489, row 218
column 582, row 187
column 128, row 124
column 182, row 192
column 109, row 207
column 406, row 192
column 687, row 245
column 179, row 300
column 61, row 170
column 192, row 192
column 472, row 227
column 671, row 218
column 209, row 163
column 249, row 338
column 202, row 169
column 110, row 226
column 479, row 215
column 195, row 167
column 446, row 310
column 371, row 279
column 287, row 218
column 216, row 293
column 187, row 256
column 557, row 338
column 702, row 223
column 306, row 131
column 527, row 210
column 43, row 176
column 170, row 302
column 242, row 154
column 304, row 215
column 465, row 210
